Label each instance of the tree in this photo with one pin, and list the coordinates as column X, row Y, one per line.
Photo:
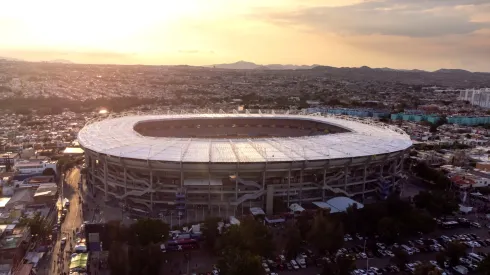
column 210, row 232
column 326, row 233
column 242, row 245
column 441, row 259
column 303, row 224
column 250, row 235
column 118, row 259
column 239, row 262
column 293, row 241
column 389, row 229
column 420, row 221
column 401, row 258
column 343, row 265
column 422, row 200
column 454, row 251
column 427, row 269
column 350, row 219
column 438, row 202
column 146, row 231
column 39, row 227
column 117, row 231
column 257, row 237
column 145, row 259
column 439, row 179
column 484, row 266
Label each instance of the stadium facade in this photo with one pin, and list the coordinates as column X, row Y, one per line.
column 232, row 160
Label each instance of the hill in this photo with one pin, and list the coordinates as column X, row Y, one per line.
column 445, row 77
column 245, row 65
column 60, row 61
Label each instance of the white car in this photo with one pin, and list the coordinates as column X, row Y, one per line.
column 389, row 253
column 475, row 224
column 282, row 258
column 266, row 267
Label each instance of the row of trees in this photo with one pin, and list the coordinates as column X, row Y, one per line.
column 391, row 220
column 438, row 178
column 241, row 246
column 136, row 249
column 438, row 203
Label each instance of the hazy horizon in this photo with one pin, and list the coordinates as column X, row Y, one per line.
column 399, row 34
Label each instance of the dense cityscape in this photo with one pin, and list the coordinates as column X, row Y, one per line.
column 317, row 170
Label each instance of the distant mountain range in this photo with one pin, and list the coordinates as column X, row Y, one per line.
column 443, row 77
column 10, row 59
column 60, row 61
column 456, row 78
column 245, row 65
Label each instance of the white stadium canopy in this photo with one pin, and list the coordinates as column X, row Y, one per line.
column 117, row 137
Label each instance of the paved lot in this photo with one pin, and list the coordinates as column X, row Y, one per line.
column 205, row 261
column 202, row 261
column 382, row 262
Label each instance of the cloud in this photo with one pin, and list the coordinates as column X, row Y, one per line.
column 412, row 18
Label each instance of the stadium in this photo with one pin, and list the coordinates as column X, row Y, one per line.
column 180, row 161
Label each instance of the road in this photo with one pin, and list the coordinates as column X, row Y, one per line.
column 60, row 259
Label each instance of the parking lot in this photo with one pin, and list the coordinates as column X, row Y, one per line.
column 368, row 253
column 424, row 248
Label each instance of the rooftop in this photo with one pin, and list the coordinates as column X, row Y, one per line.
column 73, row 150
column 338, row 204
column 48, row 189
column 11, row 241
column 117, row 137
column 4, row 201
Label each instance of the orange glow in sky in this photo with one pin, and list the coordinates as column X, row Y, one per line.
column 377, row 33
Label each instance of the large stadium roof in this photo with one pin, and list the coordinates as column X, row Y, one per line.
column 116, row 137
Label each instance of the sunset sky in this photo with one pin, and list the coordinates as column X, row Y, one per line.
column 423, row 34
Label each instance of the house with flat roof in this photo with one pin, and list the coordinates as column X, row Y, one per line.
column 13, row 244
